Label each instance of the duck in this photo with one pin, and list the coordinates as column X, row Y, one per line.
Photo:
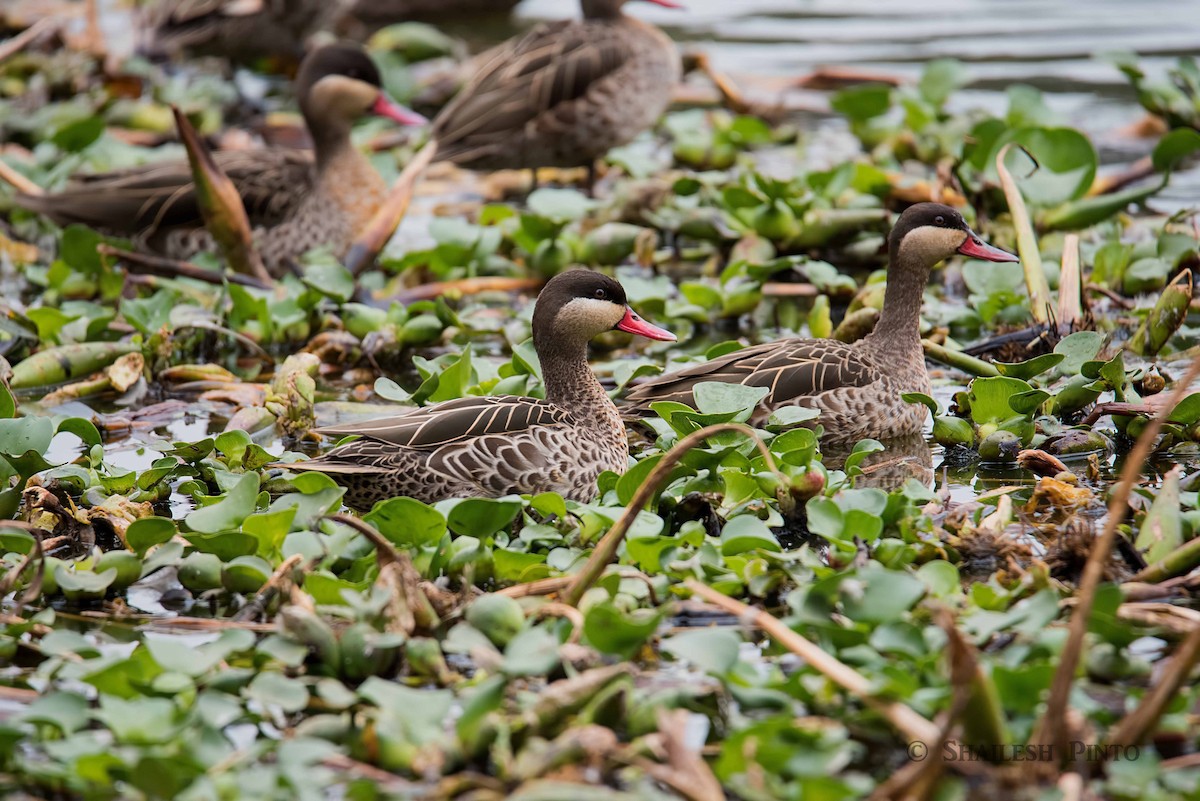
column 493, row 446
column 563, row 94
column 856, row 388
column 241, row 30
column 296, row 200
column 377, row 13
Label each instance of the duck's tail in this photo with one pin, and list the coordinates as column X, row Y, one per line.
column 362, row 253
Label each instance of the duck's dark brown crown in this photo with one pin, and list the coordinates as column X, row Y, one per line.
column 337, row 59
column 566, row 287
column 922, row 215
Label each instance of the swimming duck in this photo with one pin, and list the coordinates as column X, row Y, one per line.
column 855, row 387
column 296, row 200
column 501, row 445
column 563, row 94
column 241, row 30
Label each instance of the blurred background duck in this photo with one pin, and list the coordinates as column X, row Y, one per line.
column 562, row 94
column 296, row 199
column 502, row 445
column 856, row 387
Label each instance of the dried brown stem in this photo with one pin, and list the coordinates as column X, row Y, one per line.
column 546, row 586
column 606, row 550
column 467, row 286
column 26, row 37
column 904, row 719
column 157, row 265
column 1138, row 724
column 1142, row 168
column 19, row 182
column 1050, row 728
column 258, row 604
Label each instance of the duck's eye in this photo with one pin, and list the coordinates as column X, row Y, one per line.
column 940, row 220
column 601, row 294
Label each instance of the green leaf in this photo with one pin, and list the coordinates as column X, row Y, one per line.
column 614, row 631
column 860, row 103
column 713, row 650
column 1188, row 410
column 1162, row 527
column 881, row 595
column 934, row 407
column 1174, row 149
column 139, row 721
column 66, row 711
column 228, row 513
column 482, row 517
column 532, row 652
column 560, row 204
column 718, row 397
column 1066, row 163
column 146, row 532
column 1031, row 367
column 1078, row 348
column 990, row 397
column 941, row 78
column 747, row 533
column 78, row 134
column 278, row 691
column 8, row 404
column 407, row 522
column 329, row 278
column 22, row 435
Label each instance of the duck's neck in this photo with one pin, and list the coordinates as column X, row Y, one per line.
column 570, row 382
column 331, row 141
column 601, row 9
column 899, row 328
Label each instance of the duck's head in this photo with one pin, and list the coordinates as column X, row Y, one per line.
column 580, row 304
column 598, row 9
column 929, row 232
column 337, row 84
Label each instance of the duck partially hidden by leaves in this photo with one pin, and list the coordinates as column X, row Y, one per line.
column 494, row 446
column 856, row 388
column 296, row 199
column 241, row 30
column 563, row 94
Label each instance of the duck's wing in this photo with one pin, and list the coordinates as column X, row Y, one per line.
column 790, row 369
column 271, row 182
column 456, row 421
column 541, row 74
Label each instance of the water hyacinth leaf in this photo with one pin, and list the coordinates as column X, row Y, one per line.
column 1188, row 410
column 83, row 428
column 1028, row 402
column 1078, row 214
column 1162, row 527
column 880, row 595
column 23, row 435
column 1174, row 149
column 747, row 533
column 1078, row 348
column 388, row 389
column 407, row 522
column 560, row 204
column 1030, row 368
column 918, row 397
column 68, row 712
column 712, row 650
column 990, row 398
column 1066, row 163
column 861, row 103
column 330, row 279
column 719, row 398
column 611, row 630
column 532, row 652
column 274, row 690
column 482, row 517
column 1168, row 314
column 144, row 533
column 786, row 417
column 228, row 513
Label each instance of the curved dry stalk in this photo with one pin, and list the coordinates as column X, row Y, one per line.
column 1027, row 243
column 1136, row 725
column 1049, row 730
column 606, row 549
column 904, row 719
column 543, row 586
column 379, row 230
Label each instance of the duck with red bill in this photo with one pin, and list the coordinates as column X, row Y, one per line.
column 384, row 106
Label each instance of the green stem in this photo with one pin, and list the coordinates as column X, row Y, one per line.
column 956, row 358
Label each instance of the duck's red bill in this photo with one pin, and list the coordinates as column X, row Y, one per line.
column 668, row 3
column 636, row 325
column 386, row 107
column 976, row 248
